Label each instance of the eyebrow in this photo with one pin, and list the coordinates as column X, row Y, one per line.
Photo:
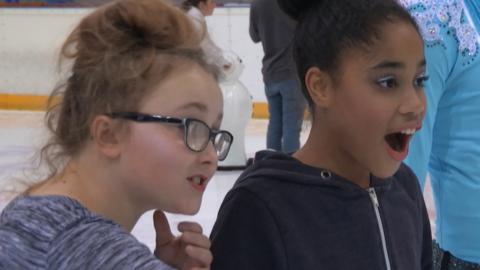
column 195, row 105
column 396, row 65
column 202, row 108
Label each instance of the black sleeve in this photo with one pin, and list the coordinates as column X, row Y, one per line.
column 246, row 235
column 253, row 27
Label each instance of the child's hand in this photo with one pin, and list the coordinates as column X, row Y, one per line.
column 189, row 251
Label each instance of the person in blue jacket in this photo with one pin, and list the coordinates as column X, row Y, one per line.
column 344, row 200
column 448, row 146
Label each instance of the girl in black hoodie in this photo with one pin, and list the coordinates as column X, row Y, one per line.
column 345, row 200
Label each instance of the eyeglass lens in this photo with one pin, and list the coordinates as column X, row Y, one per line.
column 198, row 137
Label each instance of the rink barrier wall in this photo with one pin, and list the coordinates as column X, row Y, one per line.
column 31, row 38
column 23, row 102
column 39, row 103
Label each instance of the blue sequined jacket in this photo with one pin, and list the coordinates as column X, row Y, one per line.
column 448, row 146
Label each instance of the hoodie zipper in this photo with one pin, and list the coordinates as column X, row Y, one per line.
column 373, row 197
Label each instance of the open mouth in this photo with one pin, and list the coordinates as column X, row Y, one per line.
column 398, row 143
column 198, row 182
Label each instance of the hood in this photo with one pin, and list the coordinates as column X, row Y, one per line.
column 278, row 166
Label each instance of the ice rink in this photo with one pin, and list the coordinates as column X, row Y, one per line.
column 22, row 133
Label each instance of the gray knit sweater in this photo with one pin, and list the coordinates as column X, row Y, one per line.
column 56, row 232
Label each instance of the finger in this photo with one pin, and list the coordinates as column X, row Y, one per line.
column 203, row 256
column 196, row 239
column 162, row 228
column 189, row 226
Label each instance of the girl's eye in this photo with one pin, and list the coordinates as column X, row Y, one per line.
column 420, row 81
column 387, row 82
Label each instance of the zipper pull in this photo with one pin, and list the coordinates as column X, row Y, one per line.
column 373, row 196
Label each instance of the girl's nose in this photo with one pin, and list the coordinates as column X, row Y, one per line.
column 414, row 102
column 209, row 154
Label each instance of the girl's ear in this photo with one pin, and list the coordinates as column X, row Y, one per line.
column 320, row 87
column 105, row 134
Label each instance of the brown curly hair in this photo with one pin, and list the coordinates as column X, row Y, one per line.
column 117, row 54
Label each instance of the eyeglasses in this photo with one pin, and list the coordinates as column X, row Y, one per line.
column 197, row 133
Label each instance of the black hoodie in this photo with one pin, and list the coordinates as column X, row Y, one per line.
column 283, row 214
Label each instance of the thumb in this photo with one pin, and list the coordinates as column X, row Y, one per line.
column 162, row 228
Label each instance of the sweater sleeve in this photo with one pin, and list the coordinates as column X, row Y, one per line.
column 100, row 245
column 213, row 53
column 253, row 27
column 246, row 235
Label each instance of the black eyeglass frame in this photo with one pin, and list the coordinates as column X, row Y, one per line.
column 185, row 122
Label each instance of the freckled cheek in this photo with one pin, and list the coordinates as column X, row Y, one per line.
column 170, row 149
column 162, row 147
column 170, row 159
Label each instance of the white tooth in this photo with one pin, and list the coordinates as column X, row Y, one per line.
column 197, row 180
column 408, row 131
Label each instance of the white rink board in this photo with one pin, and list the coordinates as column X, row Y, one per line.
column 30, row 39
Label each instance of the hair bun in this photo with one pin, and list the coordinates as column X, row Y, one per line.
column 157, row 24
column 126, row 25
column 295, row 8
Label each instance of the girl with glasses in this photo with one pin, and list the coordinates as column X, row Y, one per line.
column 133, row 128
column 344, row 200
